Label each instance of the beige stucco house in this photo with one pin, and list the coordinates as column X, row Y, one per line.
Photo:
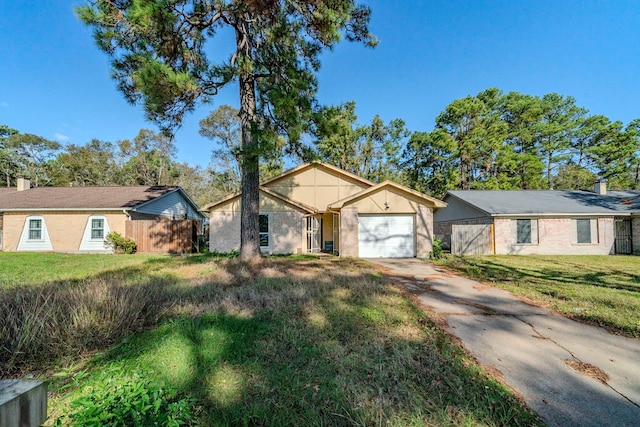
column 317, row 207
column 540, row 222
column 77, row 219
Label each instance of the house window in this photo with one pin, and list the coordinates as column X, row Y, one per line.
column 35, row 229
column 523, row 231
column 97, row 229
column 264, row 231
column 584, row 230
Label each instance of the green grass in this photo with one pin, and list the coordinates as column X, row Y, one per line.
column 602, row 290
column 289, row 342
column 36, row 269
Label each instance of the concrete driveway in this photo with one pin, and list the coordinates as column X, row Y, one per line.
column 569, row 373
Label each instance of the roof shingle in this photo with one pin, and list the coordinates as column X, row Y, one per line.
column 545, row 202
column 80, row 197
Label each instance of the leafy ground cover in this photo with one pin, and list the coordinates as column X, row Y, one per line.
column 204, row 340
column 602, row 290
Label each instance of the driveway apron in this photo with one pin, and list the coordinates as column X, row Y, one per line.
column 569, row 373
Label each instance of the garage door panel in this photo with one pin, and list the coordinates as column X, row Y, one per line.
column 386, row 236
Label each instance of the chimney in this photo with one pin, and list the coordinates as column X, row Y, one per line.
column 600, row 188
column 23, row 183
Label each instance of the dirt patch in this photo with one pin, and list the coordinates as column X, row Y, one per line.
column 588, row 370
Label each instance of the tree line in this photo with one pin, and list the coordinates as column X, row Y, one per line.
column 147, row 159
column 489, row 141
column 493, row 140
column 516, row 141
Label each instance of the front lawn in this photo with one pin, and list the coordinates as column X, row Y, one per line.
column 213, row 341
column 36, row 269
column 602, row 290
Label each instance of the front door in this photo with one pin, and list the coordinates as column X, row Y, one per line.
column 623, row 236
column 314, row 234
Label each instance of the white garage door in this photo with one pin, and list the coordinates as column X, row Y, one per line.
column 385, row 236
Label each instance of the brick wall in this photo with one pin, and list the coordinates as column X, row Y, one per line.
column 224, row 231
column 287, row 232
column 349, row 232
column 554, row 236
column 635, row 235
column 424, row 231
column 65, row 228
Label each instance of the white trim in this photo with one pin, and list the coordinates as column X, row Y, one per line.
column 535, row 236
column 593, row 231
column 63, row 209
column 269, row 231
column 556, row 215
column 94, row 245
column 42, row 244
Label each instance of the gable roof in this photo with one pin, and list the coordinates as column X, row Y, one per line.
column 327, row 167
column 370, row 188
column 548, row 202
column 303, row 207
column 84, row 198
column 388, row 184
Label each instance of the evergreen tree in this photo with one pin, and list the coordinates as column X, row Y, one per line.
column 160, row 56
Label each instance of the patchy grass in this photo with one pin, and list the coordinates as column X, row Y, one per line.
column 602, row 290
column 287, row 342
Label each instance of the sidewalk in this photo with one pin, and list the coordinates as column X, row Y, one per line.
column 569, row 373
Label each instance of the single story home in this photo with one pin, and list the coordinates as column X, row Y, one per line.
column 78, row 219
column 318, row 207
column 544, row 222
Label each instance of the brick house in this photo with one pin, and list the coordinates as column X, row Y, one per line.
column 317, row 207
column 77, row 219
column 544, row 222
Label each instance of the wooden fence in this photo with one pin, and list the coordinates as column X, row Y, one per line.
column 164, row 235
column 472, row 239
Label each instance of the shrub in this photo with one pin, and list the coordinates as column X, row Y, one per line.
column 436, row 251
column 119, row 244
column 120, row 398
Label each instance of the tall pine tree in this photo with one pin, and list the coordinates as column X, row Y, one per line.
column 160, row 57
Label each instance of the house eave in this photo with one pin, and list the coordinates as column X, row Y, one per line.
column 341, row 203
column 182, row 193
column 478, row 208
column 563, row 214
column 118, row 209
column 309, row 209
column 321, row 164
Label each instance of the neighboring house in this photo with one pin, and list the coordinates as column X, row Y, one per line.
column 77, row 219
column 544, row 222
column 318, row 207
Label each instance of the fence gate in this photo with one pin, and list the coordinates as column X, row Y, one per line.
column 623, row 236
column 472, row 239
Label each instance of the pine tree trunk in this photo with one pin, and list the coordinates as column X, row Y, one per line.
column 249, row 167
column 549, row 164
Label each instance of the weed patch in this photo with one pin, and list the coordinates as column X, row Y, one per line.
column 280, row 343
column 122, row 398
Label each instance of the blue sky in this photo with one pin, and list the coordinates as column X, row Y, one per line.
column 55, row 83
